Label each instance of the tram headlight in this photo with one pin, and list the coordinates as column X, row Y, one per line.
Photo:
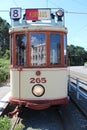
column 60, row 14
column 38, row 90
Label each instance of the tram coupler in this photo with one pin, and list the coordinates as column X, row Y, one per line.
column 12, row 113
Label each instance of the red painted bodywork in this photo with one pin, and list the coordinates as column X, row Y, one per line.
column 38, row 104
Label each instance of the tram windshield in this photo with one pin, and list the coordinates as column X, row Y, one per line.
column 39, row 49
column 54, row 48
column 20, row 49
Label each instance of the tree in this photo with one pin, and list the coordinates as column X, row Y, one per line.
column 4, row 36
column 77, row 55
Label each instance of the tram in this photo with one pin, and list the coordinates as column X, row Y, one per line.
column 38, row 58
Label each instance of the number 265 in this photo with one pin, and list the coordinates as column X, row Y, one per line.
column 38, row 80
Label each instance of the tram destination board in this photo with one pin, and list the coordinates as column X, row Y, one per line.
column 37, row 14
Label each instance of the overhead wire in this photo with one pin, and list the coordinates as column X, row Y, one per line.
column 69, row 12
column 75, row 12
column 80, row 3
column 54, row 8
column 15, row 3
column 54, row 4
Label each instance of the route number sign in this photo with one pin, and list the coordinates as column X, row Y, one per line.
column 15, row 13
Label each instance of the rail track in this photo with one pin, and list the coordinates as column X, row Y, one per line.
column 15, row 121
column 67, row 117
column 55, row 118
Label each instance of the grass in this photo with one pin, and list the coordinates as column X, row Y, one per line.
column 4, row 69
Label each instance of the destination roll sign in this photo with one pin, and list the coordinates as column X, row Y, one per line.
column 38, row 14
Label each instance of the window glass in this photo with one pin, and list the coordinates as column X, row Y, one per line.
column 20, row 49
column 38, row 49
column 54, row 48
column 65, row 47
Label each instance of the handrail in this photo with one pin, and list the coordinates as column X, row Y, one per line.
column 77, row 85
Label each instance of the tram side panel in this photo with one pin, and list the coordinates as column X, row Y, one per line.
column 14, row 82
column 53, row 80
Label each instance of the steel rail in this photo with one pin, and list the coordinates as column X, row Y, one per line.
column 16, row 121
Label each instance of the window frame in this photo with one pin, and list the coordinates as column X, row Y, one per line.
column 28, row 50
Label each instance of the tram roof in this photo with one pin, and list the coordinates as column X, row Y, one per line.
column 38, row 27
column 38, row 20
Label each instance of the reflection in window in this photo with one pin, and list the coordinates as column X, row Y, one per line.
column 54, row 48
column 65, row 45
column 38, row 49
column 20, row 49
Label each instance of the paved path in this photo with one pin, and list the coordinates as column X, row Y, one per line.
column 4, row 89
column 79, row 72
column 4, row 95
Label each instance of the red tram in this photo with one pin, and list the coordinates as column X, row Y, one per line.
column 38, row 45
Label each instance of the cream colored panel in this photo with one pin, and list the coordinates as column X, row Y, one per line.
column 14, row 81
column 55, row 87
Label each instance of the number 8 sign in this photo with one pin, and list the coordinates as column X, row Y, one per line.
column 15, row 13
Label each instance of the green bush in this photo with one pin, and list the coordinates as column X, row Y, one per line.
column 19, row 127
column 5, row 123
column 4, row 69
column 7, row 54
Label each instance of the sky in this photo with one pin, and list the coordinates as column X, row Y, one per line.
column 75, row 16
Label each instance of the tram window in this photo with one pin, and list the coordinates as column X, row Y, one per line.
column 54, row 49
column 20, row 49
column 38, row 49
column 65, row 47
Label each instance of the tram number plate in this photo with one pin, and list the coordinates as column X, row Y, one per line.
column 38, row 80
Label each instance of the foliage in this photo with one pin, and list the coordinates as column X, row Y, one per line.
column 4, row 69
column 4, row 36
column 7, row 54
column 19, row 127
column 5, row 123
column 77, row 55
